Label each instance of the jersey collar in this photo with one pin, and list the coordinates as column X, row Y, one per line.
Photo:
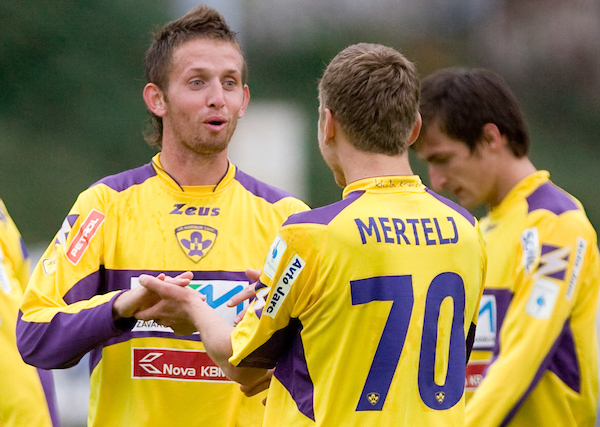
column 386, row 184
column 196, row 190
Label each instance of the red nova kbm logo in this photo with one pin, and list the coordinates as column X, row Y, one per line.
column 170, row 364
column 84, row 236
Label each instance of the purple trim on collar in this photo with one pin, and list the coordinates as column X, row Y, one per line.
column 260, row 189
column 324, row 215
column 562, row 360
column 122, row 181
column 548, row 196
column 453, row 205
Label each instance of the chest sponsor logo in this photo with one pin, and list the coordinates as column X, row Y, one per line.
column 474, row 374
column 284, row 284
column 196, row 240
column 170, row 364
column 487, row 323
column 542, row 299
column 531, row 248
column 276, row 251
column 84, row 236
column 217, row 293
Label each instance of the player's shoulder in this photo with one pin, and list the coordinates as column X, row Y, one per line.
column 325, row 214
column 448, row 205
column 263, row 190
column 124, row 180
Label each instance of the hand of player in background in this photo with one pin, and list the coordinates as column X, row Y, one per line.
column 260, row 385
column 245, row 294
column 134, row 300
column 176, row 302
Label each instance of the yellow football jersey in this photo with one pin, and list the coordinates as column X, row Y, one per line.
column 142, row 221
column 537, row 314
column 366, row 310
column 26, row 395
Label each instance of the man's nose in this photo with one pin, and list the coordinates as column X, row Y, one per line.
column 436, row 178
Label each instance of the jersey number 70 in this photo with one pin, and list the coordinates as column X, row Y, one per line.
column 399, row 289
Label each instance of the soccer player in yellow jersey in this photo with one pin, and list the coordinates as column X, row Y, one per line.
column 27, row 395
column 189, row 209
column 367, row 304
column 536, row 328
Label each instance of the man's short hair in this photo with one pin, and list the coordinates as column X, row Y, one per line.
column 461, row 101
column 373, row 91
column 202, row 22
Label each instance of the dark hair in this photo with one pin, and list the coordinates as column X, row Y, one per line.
column 373, row 91
column 201, row 22
column 463, row 100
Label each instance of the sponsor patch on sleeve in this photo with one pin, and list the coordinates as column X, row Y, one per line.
column 84, row 236
column 531, row 248
column 276, row 251
column 284, row 284
column 542, row 299
column 579, row 253
column 487, row 326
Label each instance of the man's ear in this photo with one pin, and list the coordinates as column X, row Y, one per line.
column 492, row 137
column 155, row 99
column 245, row 102
column 330, row 123
column 415, row 130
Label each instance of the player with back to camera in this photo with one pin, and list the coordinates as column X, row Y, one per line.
column 188, row 209
column 368, row 305
column 537, row 316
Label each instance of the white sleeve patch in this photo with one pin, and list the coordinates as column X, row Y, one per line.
column 531, row 248
column 542, row 299
column 284, row 284
column 276, row 251
column 580, row 251
column 4, row 279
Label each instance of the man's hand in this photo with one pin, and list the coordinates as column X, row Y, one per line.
column 261, row 384
column 246, row 293
column 134, row 300
column 175, row 306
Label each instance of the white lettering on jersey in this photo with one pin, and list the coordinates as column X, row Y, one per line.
column 531, row 248
column 276, row 251
column 487, row 326
column 542, row 299
column 285, row 282
column 580, row 251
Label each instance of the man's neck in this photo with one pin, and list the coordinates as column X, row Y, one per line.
column 514, row 170
column 189, row 169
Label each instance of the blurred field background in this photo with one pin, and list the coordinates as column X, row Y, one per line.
column 71, row 76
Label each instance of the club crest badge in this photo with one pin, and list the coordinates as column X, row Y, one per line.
column 196, row 240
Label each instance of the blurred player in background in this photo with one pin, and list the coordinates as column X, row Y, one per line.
column 367, row 303
column 188, row 209
column 27, row 395
column 537, row 315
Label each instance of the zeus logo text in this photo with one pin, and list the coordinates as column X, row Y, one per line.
column 183, row 209
column 285, row 282
column 408, row 231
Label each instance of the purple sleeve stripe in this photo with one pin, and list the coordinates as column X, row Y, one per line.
column 63, row 341
column 124, row 180
column 47, row 381
column 24, row 251
column 548, row 196
column 503, row 299
column 260, row 189
column 559, row 354
column 324, row 215
column 453, row 205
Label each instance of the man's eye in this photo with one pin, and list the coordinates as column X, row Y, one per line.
column 196, row 83
column 229, row 84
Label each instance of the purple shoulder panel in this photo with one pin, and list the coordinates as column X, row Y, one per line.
column 503, row 299
column 453, row 205
column 323, row 215
column 122, row 181
column 548, row 196
column 260, row 189
column 47, row 381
